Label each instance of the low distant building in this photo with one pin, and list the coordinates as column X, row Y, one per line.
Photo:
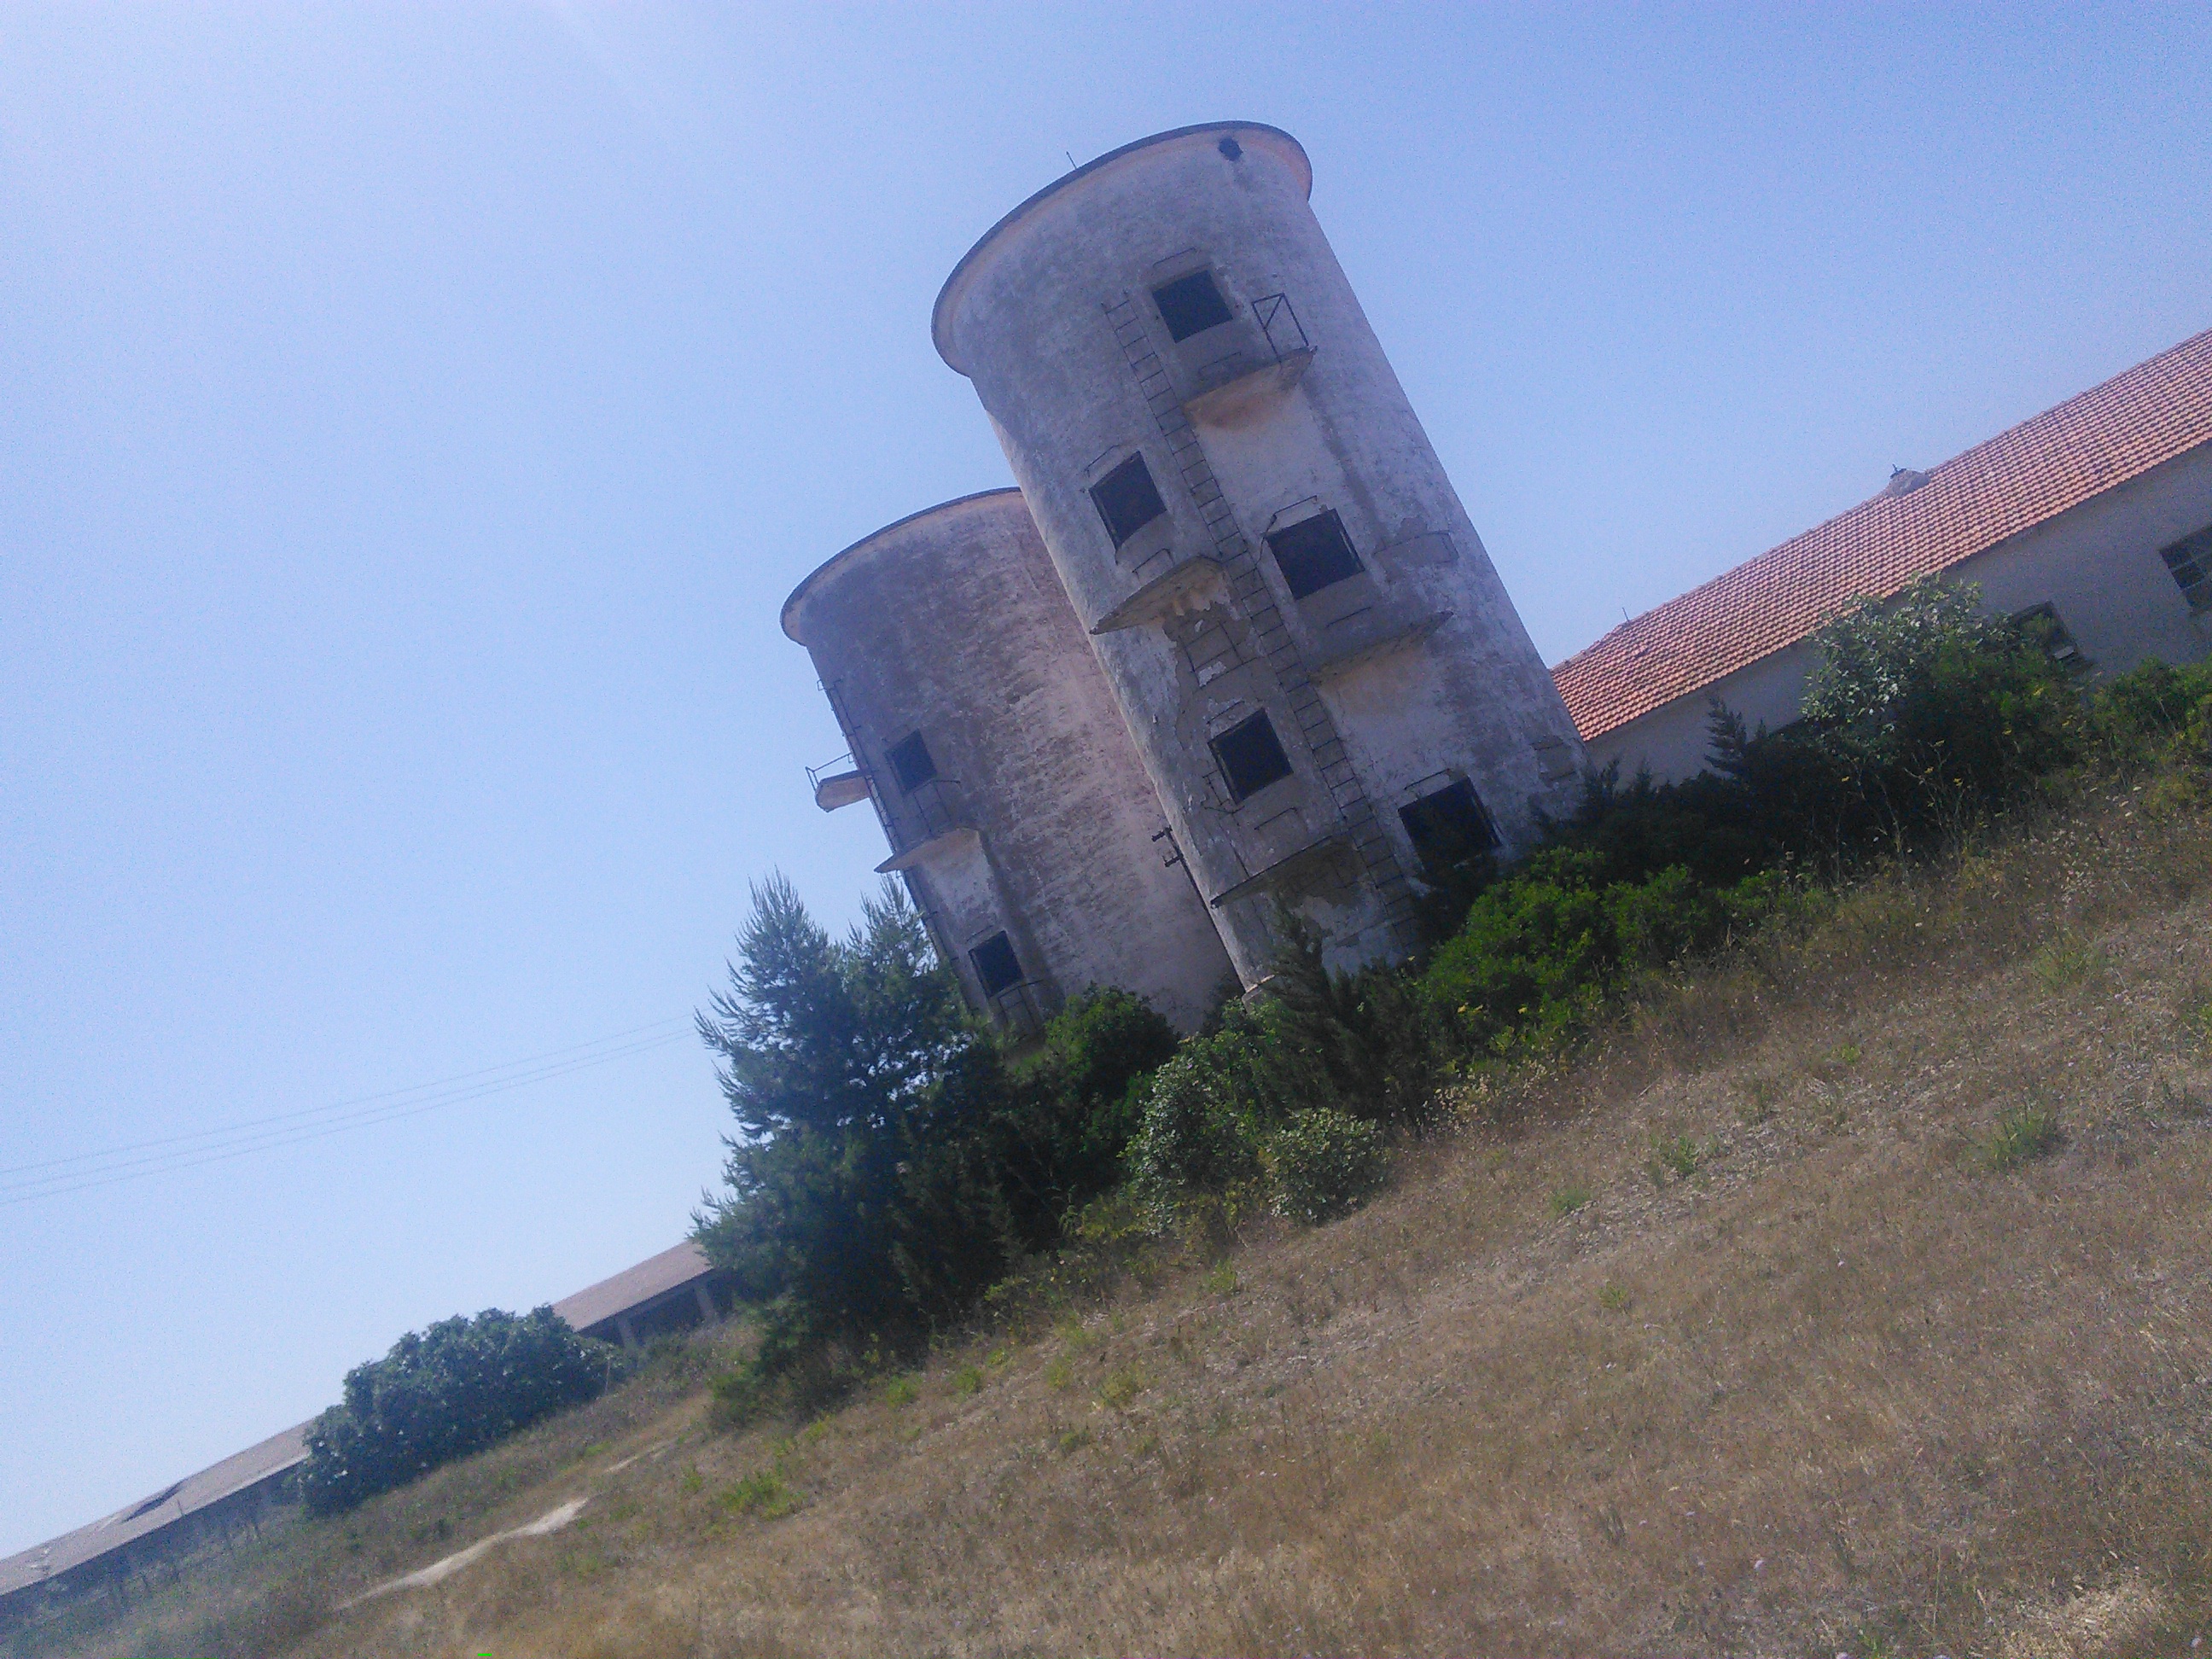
column 237, row 1497
column 2096, row 513
column 675, row 1290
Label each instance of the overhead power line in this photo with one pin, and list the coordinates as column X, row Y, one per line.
column 22, row 1184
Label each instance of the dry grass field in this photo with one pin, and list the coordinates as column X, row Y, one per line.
column 1853, row 1296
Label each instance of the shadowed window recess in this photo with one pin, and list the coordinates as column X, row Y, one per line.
column 997, row 968
column 1250, row 756
column 2189, row 559
column 2043, row 623
column 1127, row 500
column 1314, row 553
column 1191, row 304
column 911, row 763
column 1448, row 825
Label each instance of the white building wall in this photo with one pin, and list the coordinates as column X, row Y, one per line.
column 2098, row 565
column 1052, row 317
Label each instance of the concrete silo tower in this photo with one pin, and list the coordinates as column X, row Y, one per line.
column 983, row 731
column 1321, row 670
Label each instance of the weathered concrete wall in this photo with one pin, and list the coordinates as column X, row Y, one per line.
column 2098, row 566
column 1384, row 686
column 1040, row 820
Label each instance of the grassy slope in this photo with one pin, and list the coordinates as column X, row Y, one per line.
column 1840, row 1387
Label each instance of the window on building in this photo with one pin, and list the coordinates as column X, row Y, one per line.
column 911, row 763
column 1128, row 499
column 2043, row 623
column 1250, row 756
column 2189, row 559
column 1448, row 825
column 1191, row 304
column 1314, row 553
column 997, row 968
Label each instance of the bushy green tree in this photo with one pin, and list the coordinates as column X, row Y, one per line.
column 1935, row 714
column 830, row 1052
column 889, row 1163
column 442, row 1393
column 1097, row 1053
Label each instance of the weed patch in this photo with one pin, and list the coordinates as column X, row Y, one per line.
column 2024, row 1133
column 1679, row 1156
column 2065, row 962
column 765, row 1493
column 1121, row 1387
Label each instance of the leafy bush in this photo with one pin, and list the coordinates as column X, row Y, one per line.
column 1096, row 1054
column 1199, row 1131
column 1541, row 948
column 442, row 1393
column 1322, row 1164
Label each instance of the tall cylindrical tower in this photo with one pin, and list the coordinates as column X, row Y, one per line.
column 1320, row 667
column 982, row 727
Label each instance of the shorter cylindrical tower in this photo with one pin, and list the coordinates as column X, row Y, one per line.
column 982, row 729
column 1325, row 677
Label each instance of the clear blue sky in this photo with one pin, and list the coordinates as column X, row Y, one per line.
column 411, row 418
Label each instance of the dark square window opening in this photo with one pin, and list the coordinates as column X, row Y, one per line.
column 1448, row 825
column 1250, row 756
column 1191, row 304
column 997, row 968
column 1314, row 553
column 911, row 763
column 1127, row 500
column 2189, row 559
column 2043, row 623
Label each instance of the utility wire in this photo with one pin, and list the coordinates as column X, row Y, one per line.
column 657, row 1025
column 170, row 1153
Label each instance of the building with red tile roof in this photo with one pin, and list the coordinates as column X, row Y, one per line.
column 2100, row 508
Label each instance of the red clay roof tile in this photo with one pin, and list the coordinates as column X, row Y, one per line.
column 2103, row 437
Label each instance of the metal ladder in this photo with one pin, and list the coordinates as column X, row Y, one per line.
column 1255, row 602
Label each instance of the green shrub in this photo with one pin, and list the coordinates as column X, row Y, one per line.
column 443, row 1393
column 967, row 1380
column 739, row 1396
column 1200, row 1130
column 1322, row 1164
column 1569, row 1199
column 1096, row 1054
column 901, row 1391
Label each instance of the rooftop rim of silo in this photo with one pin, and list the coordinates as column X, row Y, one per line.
column 791, row 605
column 940, row 313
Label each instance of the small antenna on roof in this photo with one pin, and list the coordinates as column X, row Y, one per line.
column 1070, row 158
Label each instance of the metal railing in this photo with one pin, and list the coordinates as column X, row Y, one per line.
column 1020, row 1008
column 1280, row 325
